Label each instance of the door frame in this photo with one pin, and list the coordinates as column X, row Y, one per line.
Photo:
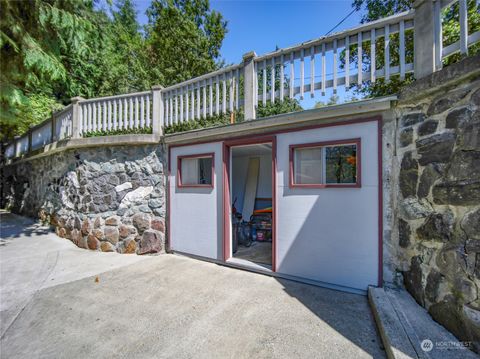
column 227, row 238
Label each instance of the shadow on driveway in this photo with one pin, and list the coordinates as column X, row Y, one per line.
column 348, row 314
column 13, row 226
column 177, row 307
column 33, row 258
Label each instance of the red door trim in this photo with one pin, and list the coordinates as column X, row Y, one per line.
column 168, row 242
column 226, row 202
column 274, row 204
column 226, row 191
column 380, row 202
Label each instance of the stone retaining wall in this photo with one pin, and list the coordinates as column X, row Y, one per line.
column 113, row 198
column 103, row 198
column 437, row 249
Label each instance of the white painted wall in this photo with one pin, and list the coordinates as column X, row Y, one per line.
column 329, row 234
column 239, row 178
column 196, row 214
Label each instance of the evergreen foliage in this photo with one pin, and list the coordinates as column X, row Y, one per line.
column 42, row 44
column 184, row 39
column 54, row 50
column 377, row 9
column 271, row 109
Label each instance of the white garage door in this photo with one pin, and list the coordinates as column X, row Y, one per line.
column 328, row 231
column 196, row 210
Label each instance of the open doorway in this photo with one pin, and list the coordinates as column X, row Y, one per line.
column 251, row 198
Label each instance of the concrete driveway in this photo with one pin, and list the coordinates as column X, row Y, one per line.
column 165, row 306
column 33, row 258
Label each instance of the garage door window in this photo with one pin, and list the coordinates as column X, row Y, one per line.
column 325, row 164
column 195, row 170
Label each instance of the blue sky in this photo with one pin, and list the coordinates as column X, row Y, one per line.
column 263, row 25
column 254, row 25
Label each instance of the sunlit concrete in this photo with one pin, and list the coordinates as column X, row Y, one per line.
column 32, row 258
column 170, row 306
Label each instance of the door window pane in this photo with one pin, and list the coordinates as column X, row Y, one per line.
column 196, row 171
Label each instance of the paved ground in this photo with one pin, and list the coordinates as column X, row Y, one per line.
column 258, row 252
column 33, row 258
column 167, row 306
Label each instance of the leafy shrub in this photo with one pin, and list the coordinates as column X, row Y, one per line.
column 124, row 131
column 210, row 121
column 277, row 108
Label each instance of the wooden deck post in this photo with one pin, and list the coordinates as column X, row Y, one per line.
column 157, row 110
column 249, row 79
column 30, row 128
column 76, row 117
column 15, row 149
column 424, row 38
column 54, row 127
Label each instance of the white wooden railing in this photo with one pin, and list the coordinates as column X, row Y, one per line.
column 314, row 66
column 21, row 145
column 41, row 135
column 10, row 150
column 63, row 123
column 212, row 94
column 465, row 39
column 309, row 68
column 116, row 113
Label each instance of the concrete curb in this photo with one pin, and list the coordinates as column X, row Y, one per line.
column 405, row 327
column 394, row 337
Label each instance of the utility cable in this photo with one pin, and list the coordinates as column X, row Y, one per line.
column 341, row 21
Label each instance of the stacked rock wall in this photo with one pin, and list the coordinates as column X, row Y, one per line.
column 113, row 198
column 103, row 198
column 438, row 203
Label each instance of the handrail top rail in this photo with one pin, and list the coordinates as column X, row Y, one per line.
column 113, row 97
column 221, row 90
column 209, row 75
column 406, row 15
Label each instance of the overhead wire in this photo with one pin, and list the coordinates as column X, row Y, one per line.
column 340, row 22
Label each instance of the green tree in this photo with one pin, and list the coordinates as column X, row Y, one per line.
column 184, row 38
column 126, row 15
column 377, row 9
column 277, row 108
column 125, row 65
column 333, row 100
column 36, row 37
column 53, row 50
